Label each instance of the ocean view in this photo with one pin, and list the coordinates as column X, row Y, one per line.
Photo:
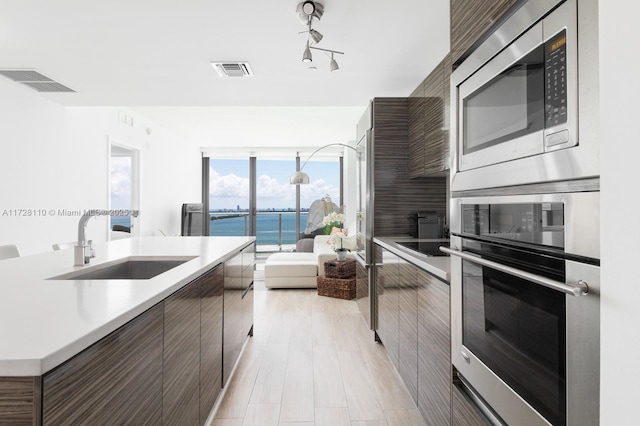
column 121, row 220
column 228, row 224
column 267, row 226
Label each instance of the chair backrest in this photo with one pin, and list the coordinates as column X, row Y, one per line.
column 63, row 246
column 8, row 251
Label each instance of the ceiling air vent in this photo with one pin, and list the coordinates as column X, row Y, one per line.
column 232, row 69
column 35, row 80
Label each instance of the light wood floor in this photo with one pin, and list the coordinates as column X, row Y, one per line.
column 313, row 361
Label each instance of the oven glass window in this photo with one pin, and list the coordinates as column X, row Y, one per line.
column 509, row 106
column 529, row 223
column 517, row 329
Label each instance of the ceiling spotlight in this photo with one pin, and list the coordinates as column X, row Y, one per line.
column 306, row 57
column 308, row 7
column 315, row 35
column 308, row 10
column 333, row 65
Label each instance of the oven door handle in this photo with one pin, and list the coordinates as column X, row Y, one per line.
column 578, row 289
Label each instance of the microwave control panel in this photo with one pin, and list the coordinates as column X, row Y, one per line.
column 556, row 80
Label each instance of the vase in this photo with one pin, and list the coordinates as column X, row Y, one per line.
column 341, row 255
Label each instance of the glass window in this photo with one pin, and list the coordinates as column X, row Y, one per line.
column 229, row 188
column 229, row 197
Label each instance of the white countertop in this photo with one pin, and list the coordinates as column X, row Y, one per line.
column 45, row 322
column 439, row 266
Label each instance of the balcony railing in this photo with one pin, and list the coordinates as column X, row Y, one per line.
column 276, row 230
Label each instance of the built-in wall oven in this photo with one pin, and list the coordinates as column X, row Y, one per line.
column 516, row 102
column 525, row 305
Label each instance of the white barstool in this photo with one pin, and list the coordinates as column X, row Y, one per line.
column 8, row 251
column 63, row 246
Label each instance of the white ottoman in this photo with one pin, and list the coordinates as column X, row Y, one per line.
column 291, row 270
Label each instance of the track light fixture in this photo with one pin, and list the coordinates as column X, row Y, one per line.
column 308, row 11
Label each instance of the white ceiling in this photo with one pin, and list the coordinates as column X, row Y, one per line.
column 153, row 56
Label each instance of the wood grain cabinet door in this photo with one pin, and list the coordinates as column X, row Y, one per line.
column 181, row 358
column 211, row 300
column 429, row 123
column 387, row 292
column 434, row 349
column 232, row 321
column 416, row 132
column 117, row 380
column 408, row 326
column 20, row 401
column 470, row 19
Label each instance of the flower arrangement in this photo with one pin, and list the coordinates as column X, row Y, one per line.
column 337, row 242
column 332, row 220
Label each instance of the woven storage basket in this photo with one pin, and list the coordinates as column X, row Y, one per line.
column 340, row 269
column 337, row 287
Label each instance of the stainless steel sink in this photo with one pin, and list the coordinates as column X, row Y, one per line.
column 130, row 268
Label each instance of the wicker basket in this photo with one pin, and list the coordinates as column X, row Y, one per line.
column 340, row 269
column 337, row 287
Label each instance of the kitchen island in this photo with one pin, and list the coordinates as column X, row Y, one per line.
column 51, row 329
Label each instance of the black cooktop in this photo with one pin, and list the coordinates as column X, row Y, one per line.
column 428, row 248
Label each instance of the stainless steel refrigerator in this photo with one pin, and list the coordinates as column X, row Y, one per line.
column 364, row 217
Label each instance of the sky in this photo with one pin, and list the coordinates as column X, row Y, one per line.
column 229, row 183
column 120, row 182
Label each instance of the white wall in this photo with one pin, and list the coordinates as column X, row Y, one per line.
column 620, row 229
column 56, row 158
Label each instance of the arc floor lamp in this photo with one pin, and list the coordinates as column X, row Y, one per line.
column 300, row 177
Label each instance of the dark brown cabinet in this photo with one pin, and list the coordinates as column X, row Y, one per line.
column 117, row 380
column 414, row 327
column 429, row 123
column 386, row 278
column 408, row 326
column 470, row 19
column 211, row 305
column 181, row 363
column 192, row 368
column 163, row 367
column 238, row 307
column 362, row 291
column 397, row 197
column 434, row 349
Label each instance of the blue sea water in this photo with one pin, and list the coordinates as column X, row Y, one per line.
column 267, row 226
column 121, row 220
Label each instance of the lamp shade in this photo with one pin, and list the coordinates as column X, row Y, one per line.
column 333, row 65
column 299, row 178
column 306, row 57
column 315, row 36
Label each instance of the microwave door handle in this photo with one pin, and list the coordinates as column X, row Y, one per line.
column 578, row 289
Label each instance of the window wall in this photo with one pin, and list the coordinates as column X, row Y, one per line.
column 231, row 184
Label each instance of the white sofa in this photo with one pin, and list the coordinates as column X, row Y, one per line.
column 299, row 270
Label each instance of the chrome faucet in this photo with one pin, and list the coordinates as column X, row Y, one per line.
column 83, row 251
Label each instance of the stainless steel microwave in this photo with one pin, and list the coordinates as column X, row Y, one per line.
column 517, row 97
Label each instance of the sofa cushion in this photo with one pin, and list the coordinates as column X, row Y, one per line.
column 304, row 245
column 321, row 244
column 291, row 265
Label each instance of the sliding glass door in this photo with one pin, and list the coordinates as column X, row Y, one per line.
column 253, row 196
